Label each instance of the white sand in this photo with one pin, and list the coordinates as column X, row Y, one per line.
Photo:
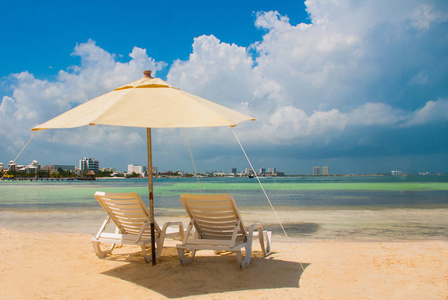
column 64, row 266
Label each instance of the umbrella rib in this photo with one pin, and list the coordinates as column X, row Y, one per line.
column 261, row 185
column 20, row 152
column 192, row 160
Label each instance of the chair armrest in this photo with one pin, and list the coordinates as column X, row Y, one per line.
column 173, row 223
column 168, row 224
column 262, row 236
column 253, row 227
column 250, row 232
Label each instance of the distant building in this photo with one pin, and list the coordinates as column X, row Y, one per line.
column 316, row 171
column 87, row 164
column 272, row 171
column 33, row 167
column 54, row 169
column 1, row 167
column 248, row 171
column 262, row 171
column 137, row 169
column 325, row 171
column 234, row 171
column 396, row 173
column 219, row 174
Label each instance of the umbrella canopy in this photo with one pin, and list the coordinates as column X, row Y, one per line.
column 150, row 103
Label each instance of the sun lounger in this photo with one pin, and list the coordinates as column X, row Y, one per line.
column 131, row 217
column 218, row 226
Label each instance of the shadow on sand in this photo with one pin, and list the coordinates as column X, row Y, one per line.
column 209, row 274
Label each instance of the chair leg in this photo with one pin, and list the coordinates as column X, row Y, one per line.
column 101, row 253
column 266, row 236
column 183, row 258
column 243, row 263
column 248, row 256
column 239, row 258
column 159, row 246
column 148, row 258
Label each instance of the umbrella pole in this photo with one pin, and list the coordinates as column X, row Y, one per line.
column 151, row 196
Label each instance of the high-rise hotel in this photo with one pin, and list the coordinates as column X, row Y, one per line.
column 87, row 164
column 317, row 171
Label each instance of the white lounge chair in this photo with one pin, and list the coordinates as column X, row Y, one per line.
column 131, row 217
column 218, row 226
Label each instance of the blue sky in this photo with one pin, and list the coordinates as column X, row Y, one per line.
column 42, row 34
column 360, row 86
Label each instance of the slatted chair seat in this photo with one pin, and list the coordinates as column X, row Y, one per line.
column 131, row 217
column 216, row 224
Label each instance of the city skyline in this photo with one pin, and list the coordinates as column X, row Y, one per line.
column 141, row 169
column 89, row 163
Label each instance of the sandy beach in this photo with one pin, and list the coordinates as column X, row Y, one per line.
column 63, row 266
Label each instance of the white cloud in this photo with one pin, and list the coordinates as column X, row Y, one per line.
column 215, row 70
column 432, row 112
column 310, row 64
column 360, row 16
column 6, row 106
column 425, row 14
column 272, row 20
column 288, row 124
column 376, row 114
column 35, row 101
column 349, row 54
column 316, row 79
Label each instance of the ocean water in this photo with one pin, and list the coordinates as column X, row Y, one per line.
column 359, row 208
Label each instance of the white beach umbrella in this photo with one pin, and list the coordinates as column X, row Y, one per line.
column 149, row 103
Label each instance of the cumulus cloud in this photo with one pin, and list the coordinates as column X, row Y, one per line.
column 216, row 70
column 432, row 112
column 318, row 78
column 34, row 101
column 363, row 71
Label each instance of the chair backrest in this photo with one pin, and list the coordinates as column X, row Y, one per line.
column 214, row 216
column 127, row 211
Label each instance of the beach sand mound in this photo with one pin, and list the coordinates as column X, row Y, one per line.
column 64, row 266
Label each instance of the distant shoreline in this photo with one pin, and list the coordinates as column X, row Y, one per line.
column 201, row 176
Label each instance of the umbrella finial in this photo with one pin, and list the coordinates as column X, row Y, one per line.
column 147, row 73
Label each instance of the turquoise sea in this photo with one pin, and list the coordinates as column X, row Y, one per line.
column 360, row 208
